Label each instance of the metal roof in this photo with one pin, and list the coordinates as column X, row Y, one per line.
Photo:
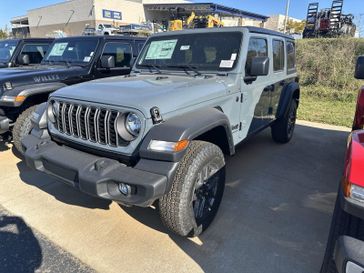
column 206, row 8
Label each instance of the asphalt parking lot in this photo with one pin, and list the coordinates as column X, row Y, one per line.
column 274, row 217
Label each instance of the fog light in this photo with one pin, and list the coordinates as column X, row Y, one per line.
column 125, row 189
column 357, row 193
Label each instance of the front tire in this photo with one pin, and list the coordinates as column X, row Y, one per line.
column 283, row 128
column 22, row 128
column 197, row 189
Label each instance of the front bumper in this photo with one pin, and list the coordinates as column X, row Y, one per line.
column 351, row 206
column 349, row 255
column 93, row 175
column 4, row 124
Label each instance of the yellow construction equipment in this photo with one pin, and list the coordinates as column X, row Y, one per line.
column 195, row 21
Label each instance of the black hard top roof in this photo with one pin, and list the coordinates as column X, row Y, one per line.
column 30, row 39
column 103, row 37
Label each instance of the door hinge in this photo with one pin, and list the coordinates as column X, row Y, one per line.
column 241, row 97
column 240, row 126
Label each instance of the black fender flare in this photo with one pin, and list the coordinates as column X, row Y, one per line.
column 188, row 126
column 286, row 97
column 38, row 89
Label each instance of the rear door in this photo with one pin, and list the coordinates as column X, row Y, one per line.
column 279, row 76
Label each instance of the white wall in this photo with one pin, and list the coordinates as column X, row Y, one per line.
column 75, row 10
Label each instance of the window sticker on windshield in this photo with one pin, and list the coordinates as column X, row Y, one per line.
column 92, row 53
column 226, row 63
column 185, row 47
column 58, row 49
column 87, row 59
column 233, row 56
column 159, row 50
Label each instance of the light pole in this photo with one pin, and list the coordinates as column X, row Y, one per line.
column 287, row 13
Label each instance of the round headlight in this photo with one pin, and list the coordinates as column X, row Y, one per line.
column 128, row 126
column 133, row 124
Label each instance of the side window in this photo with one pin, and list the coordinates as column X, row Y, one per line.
column 122, row 53
column 258, row 47
column 291, row 56
column 278, row 55
column 36, row 52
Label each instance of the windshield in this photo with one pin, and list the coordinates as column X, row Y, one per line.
column 215, row 51
column 7, row 49
column 72, row 51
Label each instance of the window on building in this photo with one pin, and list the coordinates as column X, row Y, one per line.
column 278, row 55
column 122, row 53
column 36, row 52
column 258, row 47
column 291, row 56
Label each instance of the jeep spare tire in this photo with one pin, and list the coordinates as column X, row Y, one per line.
column 196, row 191
column 22, row 128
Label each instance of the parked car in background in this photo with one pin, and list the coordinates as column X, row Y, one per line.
column 345, row 246
column 106, row 29
column 68, row 61
column 162, row 133
column 20, row 52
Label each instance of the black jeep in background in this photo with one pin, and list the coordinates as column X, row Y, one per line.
column 19, row 52
column 68, row 61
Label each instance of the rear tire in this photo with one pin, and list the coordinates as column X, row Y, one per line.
column 22, row 128
column 283, row 128
column 197, row 189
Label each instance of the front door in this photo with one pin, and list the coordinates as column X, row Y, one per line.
column 256, row 107
column 122, row 53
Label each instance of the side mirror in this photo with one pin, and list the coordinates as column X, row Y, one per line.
column 260, row 66
column 24, row 59
column 108, row 61
column 359, row 69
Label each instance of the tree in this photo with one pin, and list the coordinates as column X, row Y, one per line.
column 295, row 26
column 3, row 34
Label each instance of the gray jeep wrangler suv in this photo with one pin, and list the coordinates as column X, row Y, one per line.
column 161, row 133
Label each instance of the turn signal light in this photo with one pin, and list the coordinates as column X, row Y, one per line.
column 20, row 98
column 166, row 146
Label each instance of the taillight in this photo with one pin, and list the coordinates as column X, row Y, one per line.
column 353, row 181
column 359, row 114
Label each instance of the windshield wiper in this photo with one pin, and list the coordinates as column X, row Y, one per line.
column 152, row 66
column 187, row 68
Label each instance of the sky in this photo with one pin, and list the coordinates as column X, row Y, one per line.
column 11, row 8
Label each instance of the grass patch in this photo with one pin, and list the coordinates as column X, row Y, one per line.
column 326, row 110
column 328, row 88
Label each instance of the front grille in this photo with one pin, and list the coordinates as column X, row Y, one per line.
column 89, row 123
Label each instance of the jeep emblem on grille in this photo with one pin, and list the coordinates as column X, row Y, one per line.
column 156, row 115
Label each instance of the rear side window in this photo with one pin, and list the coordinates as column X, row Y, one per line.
column 258, row 47
column 278, row 55
column 36, row 52
column 122, row 53
column 291, row 56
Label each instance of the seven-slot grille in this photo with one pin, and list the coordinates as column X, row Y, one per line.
column 94, row 124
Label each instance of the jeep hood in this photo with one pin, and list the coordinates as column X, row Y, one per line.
column 143, row 92
column 37, row 74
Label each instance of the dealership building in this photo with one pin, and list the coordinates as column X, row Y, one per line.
column 70, row 17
